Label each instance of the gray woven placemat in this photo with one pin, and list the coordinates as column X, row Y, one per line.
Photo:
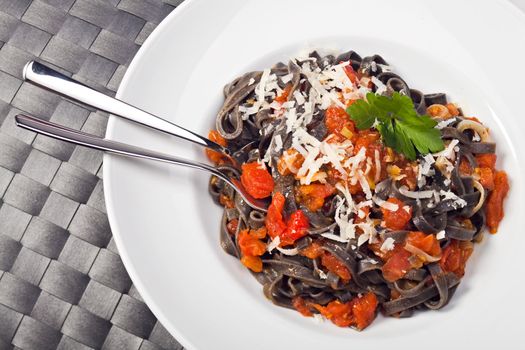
column 62, row 283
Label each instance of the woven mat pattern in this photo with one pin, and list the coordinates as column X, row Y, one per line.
column 62, row 282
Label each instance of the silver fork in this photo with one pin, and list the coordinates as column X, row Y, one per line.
column 50, row 79
column 83, row 139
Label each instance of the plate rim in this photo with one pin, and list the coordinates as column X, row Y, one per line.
column 511, row 8
column 106, row 170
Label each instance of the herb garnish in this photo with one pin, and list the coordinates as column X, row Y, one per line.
column 398, row 122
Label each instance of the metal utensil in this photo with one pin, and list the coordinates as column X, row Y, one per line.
column 50, row 79
column 83, row 139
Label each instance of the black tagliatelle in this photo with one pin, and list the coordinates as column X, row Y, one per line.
column 360, row 227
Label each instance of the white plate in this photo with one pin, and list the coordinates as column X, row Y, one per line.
column 166, row 227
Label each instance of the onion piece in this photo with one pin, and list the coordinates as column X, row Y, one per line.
column 438, row 111
column 293, row 251
column 481, row 190
column 421, row 254
column 415, row 194
column 482, row 131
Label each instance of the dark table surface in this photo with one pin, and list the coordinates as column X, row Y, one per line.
column 62, row 283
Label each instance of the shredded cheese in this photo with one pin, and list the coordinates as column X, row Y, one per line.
column 273, row 244
column 415, row 194
column 387, row 245
column 385, row 204
column 457, row 202
column 290, row 252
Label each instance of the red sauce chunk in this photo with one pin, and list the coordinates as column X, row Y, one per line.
column 397, row 265
column 494, row 206
column 364, row 309
column 336, row 119
column 216, row 157
column 486, row 160
column 358, row 312
column 257, row 180
column 250, row 244
column 427, row 243
column 296, row 228
column 313, row 196
column 283, row 97
column 252, row 248
column 313, row 251
column 398, row 219
column 336, row 266
column 274, row 217
column 300, row 305
column 455, row 257
column 291, row 230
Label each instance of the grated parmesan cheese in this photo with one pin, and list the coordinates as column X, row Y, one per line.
column 448, row 152
column 387, row 245
column 415, row 194
column 444, row 123
column 290, row 252
column 457, row 201
column 299, row 97
column 278, row 143
column 273, row 244
column 385, row 204
column 381, row 88
column 318, row 318
column 334, row 237
column 440, row 235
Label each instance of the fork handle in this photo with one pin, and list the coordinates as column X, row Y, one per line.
column 83, row 139
column 50, row 79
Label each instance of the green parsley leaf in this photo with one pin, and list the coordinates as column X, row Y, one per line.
column 398, row 123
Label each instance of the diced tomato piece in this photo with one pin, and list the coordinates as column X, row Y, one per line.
column 313, row 251
column 274, row 218
column 289, row 231
column 455, row 256
column 405, row 169
column 232, row 225
column 336, row 266
column 226, row 201
column 364, row 309
column 464, row 167
column 300, row 305
column 486, row 177
column 452, row 109
column 257, row 180
column 258, row 233
column 283, row 97
column 358, row 312
column 397, row 265
column 494, row 206
column 336, row 119
column 365, row 139
column 339, row 313
column 296, row 227
column 313, row 195
column 362, row 218
column 438, row 110
column 254, row 263
column 398, row 219
column 216, row 157
column 290, row 162
column 250, row 245
column 351, row 74
column 486, row 160
column 427, row 243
